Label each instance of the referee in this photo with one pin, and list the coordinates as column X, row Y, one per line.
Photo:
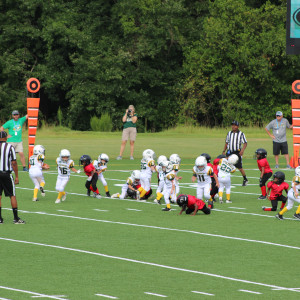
column 8, row 163
column 234, row 140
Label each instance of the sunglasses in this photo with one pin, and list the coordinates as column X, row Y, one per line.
column 278, row 116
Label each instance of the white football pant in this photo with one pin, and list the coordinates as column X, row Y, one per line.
column 203, row 190
column 61, row 183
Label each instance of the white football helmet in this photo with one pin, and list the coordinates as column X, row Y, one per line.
column 160, row 159
column 167, row 166
column 65, row 153
column 297, row 171
column 175, row 159
column 104, row 157
column 201, row 162
column 148, row 153
column 39, row 149
column 136, row 175
column 233, row 159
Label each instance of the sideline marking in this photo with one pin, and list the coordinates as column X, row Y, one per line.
column 133, row 209
column 106, row 296
column 158, row 295
column 32, row 293
column 100, row 209
column 62, row 210
column 146, row 263
column 236, row 207
column 208, row 294
column 251, row 292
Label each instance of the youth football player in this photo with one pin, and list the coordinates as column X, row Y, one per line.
column 101, row 166
column 190, row 204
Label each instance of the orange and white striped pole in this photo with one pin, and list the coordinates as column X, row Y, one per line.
column 33, row 103
column 295, row 160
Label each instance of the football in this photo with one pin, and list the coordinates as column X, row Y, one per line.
column 46, row 166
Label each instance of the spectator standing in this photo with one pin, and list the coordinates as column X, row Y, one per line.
column 7, row 182
column 278, row 135
column 233, row 143
column 14, row 127
column 129, row 131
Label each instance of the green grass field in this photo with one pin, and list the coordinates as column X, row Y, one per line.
column 85, row 248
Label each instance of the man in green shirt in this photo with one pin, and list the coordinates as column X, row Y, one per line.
column 14, row 127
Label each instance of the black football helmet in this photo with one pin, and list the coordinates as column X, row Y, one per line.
column 261, row 152
column 85, row 158
column 207, row 156
column 280, row 176
column 182, row 200
column 221, row 156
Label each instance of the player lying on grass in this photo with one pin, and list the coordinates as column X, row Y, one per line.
column 101, row 166
column 265, row 171
column 36, row 162
column 277, row 186
column 190, row 204
column 131, row 187
column 90, row 171
column 64, row 165
column 293, row 196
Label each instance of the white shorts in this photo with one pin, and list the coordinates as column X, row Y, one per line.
column 160, row 186
column 101, row 177
column 124, row 191
column 203, row 190
column 292, row 199
column 36, row 176
column 225, row 182
column 61, row 183
column 145, row 182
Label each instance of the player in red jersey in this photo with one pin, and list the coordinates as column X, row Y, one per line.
column 265, row 171
column 191, row 204
column 214, row 189
column 277, row 186
column 90, row 171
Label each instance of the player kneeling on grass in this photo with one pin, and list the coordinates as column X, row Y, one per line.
column 190, row 204
column 293, row 196
column 202, row 172
column 265, row 171
column 101, row 166
column 130, row 188
column 225, row 168
column 64, row 165
column 90, row 171
column 36, row 162
column 277, row 186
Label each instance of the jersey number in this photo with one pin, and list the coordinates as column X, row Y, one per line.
column 143, row 166
column 63, row 171
column 201, row 178
column 31, row 161
column 225, row 168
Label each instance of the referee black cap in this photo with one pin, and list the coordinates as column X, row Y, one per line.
column 3, row 134
column 235, row 123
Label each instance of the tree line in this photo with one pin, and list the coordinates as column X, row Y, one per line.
column 199, row 62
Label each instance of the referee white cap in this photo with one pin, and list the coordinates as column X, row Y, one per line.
column 15, row 112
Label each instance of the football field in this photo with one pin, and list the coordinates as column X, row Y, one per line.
column 88, row 248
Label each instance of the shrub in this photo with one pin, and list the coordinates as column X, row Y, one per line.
column 102, row 124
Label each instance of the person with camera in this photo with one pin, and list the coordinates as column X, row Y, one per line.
column 129, row 131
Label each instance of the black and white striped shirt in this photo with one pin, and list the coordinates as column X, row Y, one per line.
column 7, row 155
column 234, row 140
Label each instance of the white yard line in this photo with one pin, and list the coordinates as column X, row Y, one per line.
column 133, row 209
column 32, row 293
column 197, row 292
column 143, row 263
column 251, row 292
column 106, row 296
column 154, row 294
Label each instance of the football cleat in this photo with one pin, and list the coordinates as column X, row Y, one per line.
column 64, row 197
column 107, row 194
column 228, row 201
column 116, row 195
column 220, row 200
column 57, row 201
column 98, row 196
column 279, row 217
column 166, row 209
column 297, row 216
column 42, row 191
column 156, row 201
column 261, row 197
column 19, row 221
column 263, row 208
column 35, row 199
column 245, row 182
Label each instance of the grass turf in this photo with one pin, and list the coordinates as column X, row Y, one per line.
column 84, row 247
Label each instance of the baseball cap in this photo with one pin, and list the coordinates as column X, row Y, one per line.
column 15, row 112
column 279, row 113
column 3, row 134
column 235, row 123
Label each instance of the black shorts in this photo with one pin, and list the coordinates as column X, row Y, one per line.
column 239, row 164
column 280, row 147
column 265, row 178
column 7, row 184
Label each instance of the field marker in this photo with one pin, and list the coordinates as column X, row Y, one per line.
column 33, row 293
column 251, row 292
column 106, row 296
column 237, row 207
column 143, row 263
column 133, row 209
column 64, row 210
column 208, row 294
column 100, row 209
column 158, row 295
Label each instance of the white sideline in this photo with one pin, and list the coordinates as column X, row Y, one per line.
column 143, row 263
column 164, row 228
column 32, row 293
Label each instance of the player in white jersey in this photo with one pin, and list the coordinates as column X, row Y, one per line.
column 226, row 168
column 130, row 184
column 202, row 172
column 64, row 166
column 161, row 178
column 36, row 162
column 169, row 179
column 175, row 160
column 101, row 166
column 147, row 168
